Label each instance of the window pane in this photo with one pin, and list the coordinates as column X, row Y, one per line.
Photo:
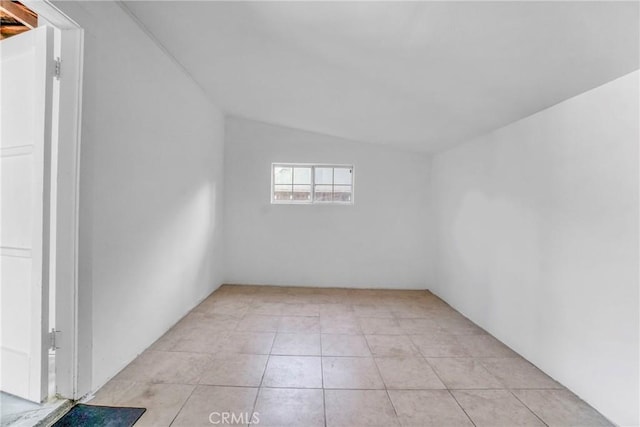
column 282, row 192
column 282, row 175
column 302, row 176
column 301, row 192
column 324, row 176
column 302, row 183
column 342, row 193
column 342, row 176
column 323, row 193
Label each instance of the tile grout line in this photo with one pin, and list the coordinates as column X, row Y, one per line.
column 459, row 405
column 329, row 355
column 324, row 401
column 195, row 386
column 448, row 389
column 356, row 388
column 266, row 365
column 525, row 405
column 336, row 388
column 384, row 383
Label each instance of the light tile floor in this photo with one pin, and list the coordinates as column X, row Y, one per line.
column 337, row 357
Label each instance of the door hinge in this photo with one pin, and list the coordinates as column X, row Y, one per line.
column 52, row 339
column 56, row 69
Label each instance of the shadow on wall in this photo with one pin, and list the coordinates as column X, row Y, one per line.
column 496, row 242
column 176, row 247
column 175, row 265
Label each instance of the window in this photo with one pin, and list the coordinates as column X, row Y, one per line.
column 306, row 184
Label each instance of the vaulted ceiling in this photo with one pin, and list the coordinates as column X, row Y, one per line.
column 417, row 75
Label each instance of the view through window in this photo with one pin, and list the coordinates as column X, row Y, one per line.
column 311, row 183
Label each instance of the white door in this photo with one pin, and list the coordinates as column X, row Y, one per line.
column 26, row 79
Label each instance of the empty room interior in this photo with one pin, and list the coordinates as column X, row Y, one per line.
column 322, row 213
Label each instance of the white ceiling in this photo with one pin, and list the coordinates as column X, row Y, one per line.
column 419, row 75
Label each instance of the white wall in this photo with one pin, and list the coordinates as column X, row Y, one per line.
column 379, row 242
column 151, row 192
column 537, row 230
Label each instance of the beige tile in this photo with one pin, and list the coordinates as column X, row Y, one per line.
column 162, row 401
column 495, row 408
column 210, row 403
column 279, row 297
column 199, row 340
column 335, row 296
column 485, row 346
column 412, row 311
column 351, row 408
column 258, row 323
column 232, row 369
column 301, row 309
column 110, row 393
column 518, row 373
column 228, row 338
column 225, row 296
column 407, row 373
column 419, row 326
column 169, row 339
column 339, row 325
column 371, row 310
column 458, row 325
column 428, row 408
column 255, row 290
column 380, row 325
column 391, row 346
column 561, row 408
column 463, row 373
column 248, row 342
column 351, row 373
column 293, row 372
column 344, row 345
column 209, row 322
column 296, row 344
column 336, row 310
column 299, row 324
column 446, row 312
column 166, row 367
column 269, row 308
column 327, row 298
column 281, row 407
column 230, row 307
column 439, row 345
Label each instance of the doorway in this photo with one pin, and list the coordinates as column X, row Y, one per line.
column 41, row 93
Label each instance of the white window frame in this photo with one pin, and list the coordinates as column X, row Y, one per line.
column 313, row 200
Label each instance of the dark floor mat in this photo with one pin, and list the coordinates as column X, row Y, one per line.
column 99, row 416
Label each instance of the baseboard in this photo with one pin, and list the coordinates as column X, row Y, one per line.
column 364, row 287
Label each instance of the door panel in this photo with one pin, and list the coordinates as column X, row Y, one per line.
column 17, row 215
column 25, row 129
